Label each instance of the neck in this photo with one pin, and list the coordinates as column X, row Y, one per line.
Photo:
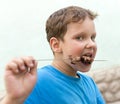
column 64, row 67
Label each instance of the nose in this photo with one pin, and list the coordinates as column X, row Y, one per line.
column 91, row 44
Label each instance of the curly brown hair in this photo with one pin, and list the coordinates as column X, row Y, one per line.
column 56, row 25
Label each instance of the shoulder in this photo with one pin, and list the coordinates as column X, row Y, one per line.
column 47, row 75
column 87, row 80
column 44, row 72
column 84, row 76
column 43, row 81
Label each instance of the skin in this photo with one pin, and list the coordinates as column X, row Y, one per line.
column 78, row 40
column 19, row 82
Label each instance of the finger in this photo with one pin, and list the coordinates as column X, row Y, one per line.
column 20, row 63
column 28, row 61
column 33, row 70
column 23, row 64
column 13, row 67
column 31, row 64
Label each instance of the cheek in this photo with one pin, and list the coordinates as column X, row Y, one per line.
column 76, row 49
column 72, row 48
column 95, row 49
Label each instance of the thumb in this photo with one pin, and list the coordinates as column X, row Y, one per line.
column 34, row 68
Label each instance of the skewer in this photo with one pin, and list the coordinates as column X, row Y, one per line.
column 74, row 60
column 60, row 59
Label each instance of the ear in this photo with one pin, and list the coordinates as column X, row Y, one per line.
column 55, row 45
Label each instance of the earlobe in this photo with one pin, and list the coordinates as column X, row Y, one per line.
column 55, row 45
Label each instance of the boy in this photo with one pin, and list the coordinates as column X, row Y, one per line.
column 71, row 34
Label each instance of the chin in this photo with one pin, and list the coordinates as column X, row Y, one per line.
column 84, row 68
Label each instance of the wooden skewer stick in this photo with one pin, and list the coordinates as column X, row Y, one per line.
column 61, row 59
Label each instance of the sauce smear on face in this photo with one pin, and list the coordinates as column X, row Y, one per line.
column 83, row 59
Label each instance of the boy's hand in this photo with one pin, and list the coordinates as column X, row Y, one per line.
column 20, row 78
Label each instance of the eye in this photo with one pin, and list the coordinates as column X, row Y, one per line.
column 93, row 38
column 80, row 38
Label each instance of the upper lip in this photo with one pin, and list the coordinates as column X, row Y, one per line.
column 89, row 54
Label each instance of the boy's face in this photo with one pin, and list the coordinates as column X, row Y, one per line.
column 79, row 40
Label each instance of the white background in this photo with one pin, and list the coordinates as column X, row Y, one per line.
column 22, row 29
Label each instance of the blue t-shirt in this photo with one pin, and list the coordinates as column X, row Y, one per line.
column 55, row 87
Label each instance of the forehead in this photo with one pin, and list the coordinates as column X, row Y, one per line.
column 86, row 25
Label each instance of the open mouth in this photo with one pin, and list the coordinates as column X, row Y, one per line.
column 85, row 59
